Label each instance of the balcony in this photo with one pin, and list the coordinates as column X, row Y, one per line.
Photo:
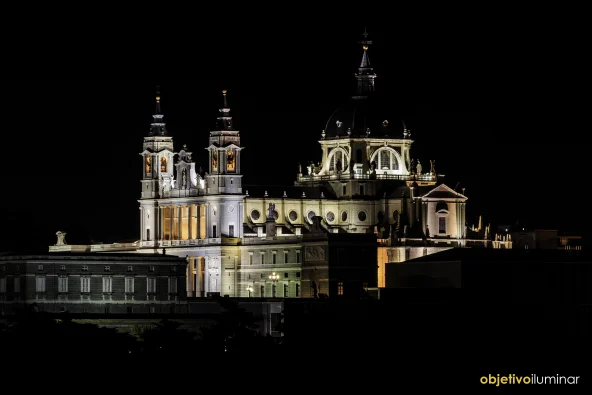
column 352, row 176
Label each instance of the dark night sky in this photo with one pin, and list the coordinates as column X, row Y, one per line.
column 476, row 104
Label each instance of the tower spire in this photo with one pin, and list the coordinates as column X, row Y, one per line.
column 158, row 127
column 365, row 76
column 225, row 120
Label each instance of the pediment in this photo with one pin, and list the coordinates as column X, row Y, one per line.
column 443, row 191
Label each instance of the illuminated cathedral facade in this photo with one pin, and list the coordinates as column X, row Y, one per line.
column 266, row 242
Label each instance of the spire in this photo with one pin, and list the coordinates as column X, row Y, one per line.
column 365, row 76
column 158, row 127
column 225, row 120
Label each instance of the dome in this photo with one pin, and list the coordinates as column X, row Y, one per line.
column 361, row 114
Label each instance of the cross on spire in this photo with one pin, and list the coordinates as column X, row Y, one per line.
column 365, row 34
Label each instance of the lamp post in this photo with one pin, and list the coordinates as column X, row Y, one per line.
column 273, row 277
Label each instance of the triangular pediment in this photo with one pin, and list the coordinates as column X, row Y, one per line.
column 443, row 191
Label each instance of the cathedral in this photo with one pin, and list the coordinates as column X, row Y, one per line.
column 261, row 242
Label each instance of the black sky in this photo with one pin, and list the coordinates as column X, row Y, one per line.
column 493, row 122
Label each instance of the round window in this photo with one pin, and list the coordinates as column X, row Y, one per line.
column 293, row 215
column 255, row 215
column 344, row 216
column 310, row 215
column 362, row 216
column 330, row 216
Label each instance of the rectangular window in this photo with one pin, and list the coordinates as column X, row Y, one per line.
column 297, row 290
column 129, row 284
column 263, row 258
column 62, row 284
column 85, row 284
column 39, row 267
column 173, row 268
column 273, row 288
column 152, row 310
column 107, row 284
column 250, row 258
column 344, row 190
column 340, row 288
column 147, row 234
column 285, row 256
column 285, row 290
column 130, row 310
column 107, row 268
column 172, row 285
column 129, row 268
column 62, row 267
column 273, row 258
column 262, row 290
column 151, row 268
column 230, row 230
column 298, row 274
column 40, row 284
column 285, row 275
column 361, row 189
column 214, row 231
column 85, row 268
column 297, row 256
column 151, row 285
column 17, row 284
column 442, row 225
column 3, row 285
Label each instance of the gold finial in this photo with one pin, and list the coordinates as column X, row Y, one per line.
column 224, row 91
column 365, row 47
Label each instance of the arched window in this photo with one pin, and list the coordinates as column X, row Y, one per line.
column 163, row 164
column 230, row 163
column 386, row 159
column 337, row 161
column 148, row 165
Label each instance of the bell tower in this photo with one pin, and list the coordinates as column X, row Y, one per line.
column 157, row 157
column 224, row 156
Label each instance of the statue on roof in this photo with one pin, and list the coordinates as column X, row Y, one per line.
column 61, row 238
column 419, row 168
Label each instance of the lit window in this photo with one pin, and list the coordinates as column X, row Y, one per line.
column 129, row 284
column 40, row 284
column 107, row 284
column 340, row 288
column 151, row 285
column 63, row 284
column 85, row 284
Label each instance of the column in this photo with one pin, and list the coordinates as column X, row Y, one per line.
column 189, row 221
column 208, row 223
column 142, row 233
column 180, row 223
column 160, row 223
column 171, row 216
column 197, row 218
